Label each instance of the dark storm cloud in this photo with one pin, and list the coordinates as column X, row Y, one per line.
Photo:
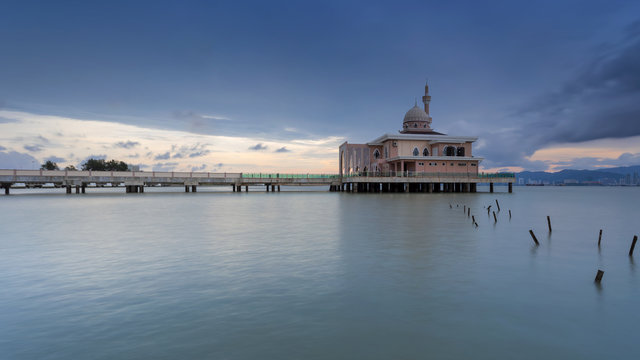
column 258, row 147
column 602, row 100
column 126, row 144
column 33, row 148
column 282, row 150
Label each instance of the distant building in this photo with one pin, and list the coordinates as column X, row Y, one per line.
column 417, row 148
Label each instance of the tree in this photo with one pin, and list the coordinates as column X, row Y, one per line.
column 70, row 168
column 49, row 165
column 103, row 165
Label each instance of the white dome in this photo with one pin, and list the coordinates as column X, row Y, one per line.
column 416, row 114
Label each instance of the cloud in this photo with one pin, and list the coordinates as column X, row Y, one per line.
column 55, row 159
column 134, row 156
column 167, row 166
column 199, row 168
column 4, row 120
column 282, row 150
column 16, row 160
column 2, row 148
column 126, row 144
column 258, row 147
column 199, row 153
column 164, row 156
column 42, row 139
column 593, row 163
column 33, row 148
column 601, row 100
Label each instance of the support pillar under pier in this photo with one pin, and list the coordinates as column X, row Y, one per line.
column 510, row 187
column 68, row 189
column 6, row 188
column 186, row 188
column 278, row 188
column 141, row 188
column 84, row 188
column 490, row 187
column 246, row 188
column 194, row 188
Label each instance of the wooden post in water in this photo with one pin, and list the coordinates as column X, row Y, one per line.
column 633, row 245
column 498, row 204
column 509, row 213
column 599, row 237
column 533, row 236
column 599, row 276
column 468, row 212
column 495, row 219
column 549, row 222
column 465, row 208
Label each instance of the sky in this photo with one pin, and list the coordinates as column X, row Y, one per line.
column 277, row 86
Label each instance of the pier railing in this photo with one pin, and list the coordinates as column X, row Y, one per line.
column 430, row 174
column 288, row 176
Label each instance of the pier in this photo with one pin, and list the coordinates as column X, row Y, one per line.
column 136, row 181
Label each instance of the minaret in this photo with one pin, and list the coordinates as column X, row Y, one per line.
column 426, row 99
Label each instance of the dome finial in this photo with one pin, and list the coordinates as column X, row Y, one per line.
column 416, row 102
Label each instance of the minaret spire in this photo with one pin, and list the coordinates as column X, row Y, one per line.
column 426, row 99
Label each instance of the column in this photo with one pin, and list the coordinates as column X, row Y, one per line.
column 186, row 188
column 510, row 187
column 490, row 187
column 193, row 188
column 278, row 188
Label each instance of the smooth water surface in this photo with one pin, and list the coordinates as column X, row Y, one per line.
column 318, row 275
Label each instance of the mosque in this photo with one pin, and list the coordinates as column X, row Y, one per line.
column 416, row 149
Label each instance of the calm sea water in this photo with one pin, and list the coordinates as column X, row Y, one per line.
column 318, row 275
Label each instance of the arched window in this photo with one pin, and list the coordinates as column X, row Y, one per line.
column 460, row 151
column 425, row 152
column 450, row 151
column 415, row 125
column 376, row 154
column 416, row 152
